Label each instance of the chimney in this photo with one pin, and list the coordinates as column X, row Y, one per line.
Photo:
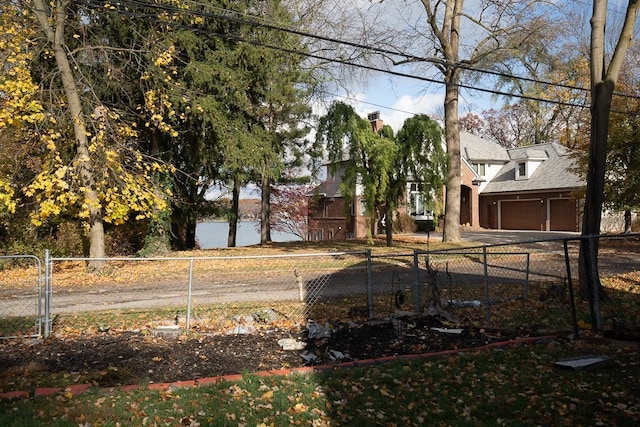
column 374, row 119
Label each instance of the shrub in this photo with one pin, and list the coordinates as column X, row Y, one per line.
column 404, row 223
column 68, row 240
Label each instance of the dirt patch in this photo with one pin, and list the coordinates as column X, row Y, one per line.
column 116, row 358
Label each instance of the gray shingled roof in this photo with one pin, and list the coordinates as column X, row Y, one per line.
column 553, row 173
column 523, row 153
column 479, row 150
column 328, row 188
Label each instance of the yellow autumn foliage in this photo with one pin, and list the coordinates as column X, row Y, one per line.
column 122, row 179
column 17, row 104
column 123, row 182
column 7, row 202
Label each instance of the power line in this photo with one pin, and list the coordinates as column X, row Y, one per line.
column 269, row 24
column 233, row 17
column 590, row 4
column 259, row 22
column 255, row 20
column 373, row 104
column 319, row 57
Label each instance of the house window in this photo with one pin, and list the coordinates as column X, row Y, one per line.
column 522, row 170
column 480, row 168
column 416, row 201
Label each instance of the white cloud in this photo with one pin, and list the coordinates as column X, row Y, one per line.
column 394, row 109
column 408, row 106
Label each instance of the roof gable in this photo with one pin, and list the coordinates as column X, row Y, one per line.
column 554, row 172
column 479, row 150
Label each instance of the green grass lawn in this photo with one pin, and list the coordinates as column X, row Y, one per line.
column 510, row 386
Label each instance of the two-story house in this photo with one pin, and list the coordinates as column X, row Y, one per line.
column 524, row 188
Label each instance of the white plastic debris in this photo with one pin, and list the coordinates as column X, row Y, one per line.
column 309, row 358
column 168, row 327
column 265, row 316
column 582, row 362
column 291, row 344
column 242, row 330
column 318, row 331
column 448, row 330
column 438, row 311
column 464, row 303
column 335, row 355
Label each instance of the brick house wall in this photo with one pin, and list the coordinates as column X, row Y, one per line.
column 469, row 200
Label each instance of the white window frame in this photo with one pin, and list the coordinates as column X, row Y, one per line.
column 480, row 168
column 519, row 175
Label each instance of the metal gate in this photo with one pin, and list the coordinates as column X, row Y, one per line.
column 22, row 296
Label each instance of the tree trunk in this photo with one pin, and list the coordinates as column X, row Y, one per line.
column 451, row 232
column 235, row 212
column 55, row 35
column 594, row 199
column 190, row 229
column 183, row 230
column 265, row 207
column 603, row 80
column 388, row 225
column 627, row 221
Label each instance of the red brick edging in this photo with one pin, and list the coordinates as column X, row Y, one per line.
column 77, row 389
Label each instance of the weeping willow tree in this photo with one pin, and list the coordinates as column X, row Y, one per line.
column 381, row 163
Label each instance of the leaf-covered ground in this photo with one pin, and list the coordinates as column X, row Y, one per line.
column 116, row 358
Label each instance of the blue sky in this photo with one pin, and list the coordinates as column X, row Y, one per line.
column 399, row 98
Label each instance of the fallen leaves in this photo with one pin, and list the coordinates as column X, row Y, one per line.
column 298, row 408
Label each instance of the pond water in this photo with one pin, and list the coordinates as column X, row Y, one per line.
column 214, row 234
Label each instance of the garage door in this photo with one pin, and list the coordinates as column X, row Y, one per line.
column 522, row 215
column 563, row 215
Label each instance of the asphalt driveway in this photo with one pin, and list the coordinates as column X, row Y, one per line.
column 492, row 237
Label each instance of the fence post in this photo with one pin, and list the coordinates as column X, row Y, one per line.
column 417, row 298
column 47, row 293
column 526, row 279
column 487, row 313
column 595, row 283
column 370, row 282
column 188, row 320
column 572, row 303
column 40, row 296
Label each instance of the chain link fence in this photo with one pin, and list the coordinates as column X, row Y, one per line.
column 21, row 296
column 535, row 286
column 204, row 293
column 528, row 286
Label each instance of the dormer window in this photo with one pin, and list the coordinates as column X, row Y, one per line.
column 522, row 170
column 528, row 161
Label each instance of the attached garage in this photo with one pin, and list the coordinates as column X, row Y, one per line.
column 540, row 212
column 522, row 215
column 533, row 187
column 563, row 215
